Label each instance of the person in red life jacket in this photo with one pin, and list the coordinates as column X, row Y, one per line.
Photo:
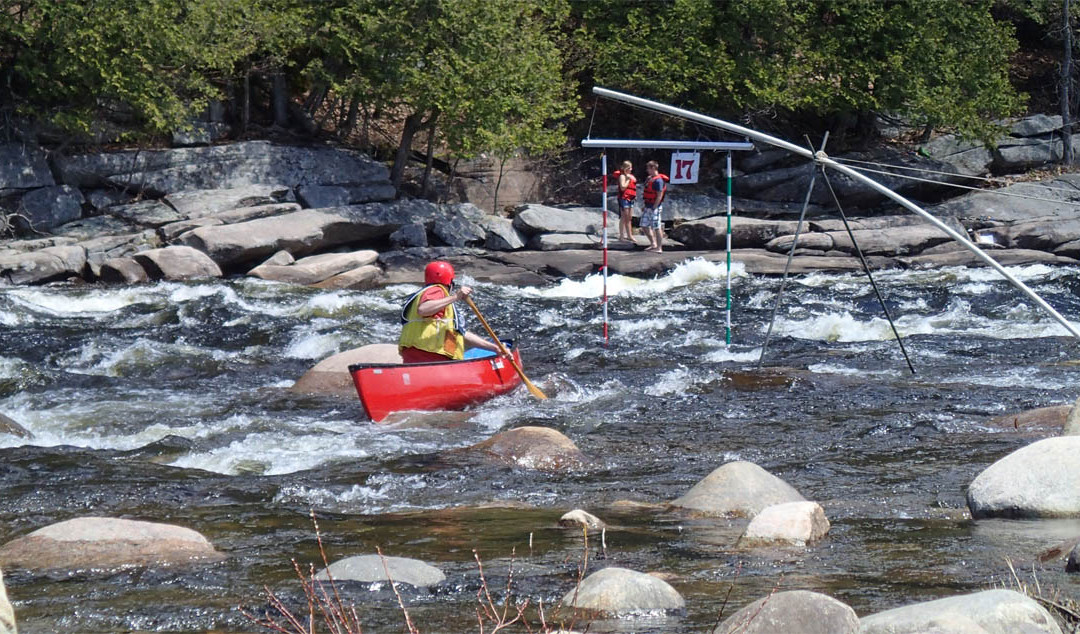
column 432, row 329
column 652, row 215
column 627, row 196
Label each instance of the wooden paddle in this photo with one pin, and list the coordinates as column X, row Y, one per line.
column 529, row 384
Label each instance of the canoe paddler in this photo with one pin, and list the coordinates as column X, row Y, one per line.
column 431, row 326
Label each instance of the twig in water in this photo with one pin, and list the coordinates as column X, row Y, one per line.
column 393, row 586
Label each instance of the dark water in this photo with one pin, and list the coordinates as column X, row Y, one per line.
column 168, row 403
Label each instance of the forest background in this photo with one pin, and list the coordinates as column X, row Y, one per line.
column 445, row 80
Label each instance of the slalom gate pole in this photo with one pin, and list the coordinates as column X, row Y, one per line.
column 727, row 311
column 603, row 239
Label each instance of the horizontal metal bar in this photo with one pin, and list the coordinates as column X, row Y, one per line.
column 667, row 145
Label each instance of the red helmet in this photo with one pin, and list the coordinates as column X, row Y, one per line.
column 439, row 272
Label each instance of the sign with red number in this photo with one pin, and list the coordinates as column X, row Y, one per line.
column 684, row 167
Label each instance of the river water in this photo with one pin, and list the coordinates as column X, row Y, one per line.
column 168, row 402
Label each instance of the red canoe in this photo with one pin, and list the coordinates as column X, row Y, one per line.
column 386, row 388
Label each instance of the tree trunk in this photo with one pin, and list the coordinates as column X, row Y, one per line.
column 245, row 102
column 413, row 124
column 428, row 163
column 281, row 101
column 1066, row 81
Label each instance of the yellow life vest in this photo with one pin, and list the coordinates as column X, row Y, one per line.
column 439, row 335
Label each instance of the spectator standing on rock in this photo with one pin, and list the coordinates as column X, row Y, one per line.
column 627, row 196
column 431, row 327
column 652, row 215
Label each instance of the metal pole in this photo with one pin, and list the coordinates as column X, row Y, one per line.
column 822, row 158
column 727, row 310
column 603, row 240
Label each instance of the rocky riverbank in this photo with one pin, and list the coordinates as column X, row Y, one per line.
column 328, row 216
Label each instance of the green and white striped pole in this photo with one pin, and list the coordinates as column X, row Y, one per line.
column 727, row 312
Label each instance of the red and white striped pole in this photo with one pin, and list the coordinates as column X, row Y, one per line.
column 603, row 197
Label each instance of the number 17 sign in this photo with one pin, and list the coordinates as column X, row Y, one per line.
column 684, row 167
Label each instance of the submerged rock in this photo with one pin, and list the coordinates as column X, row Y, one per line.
column 616, row 591
column 1071, row 426
column 531, row 447
column 1073, row 564
column 994, row 611
column 737, row 488
column 331, row 375
column 1040, row 480
column 8, row 426
column 106, row 542
column 372, row 568
column 794, row 611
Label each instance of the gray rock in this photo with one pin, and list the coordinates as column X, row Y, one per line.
column 319, row 196
column 299, row 233
column 147, row 213
column 1043, row 234
column 1022, row 202
column 1072, row 421
column 47, row 265
column 7, row 613
column 534, row 219
column 360, row 278
column 222, row 166
column 23, row 167
column 89, row 228
column 410, row 235
column 281, row 258
column 892, row 242
column 758, row 159
column 28, row 246
column 620, row 591
column 200, row 133
column 792, row 611
column 458, row 231
column 100, row 199
column 1036, row 124
column 1006, row 257
column 1073, row 564
column 995, row 611
column 681, row 206
column 331, row 375
column 737, row 488
column 1019, row 154
column 563, row 241
column 501, row 234
column 105, row 542
column 174, row 230
column 8, row 426
column 579, row 518
column 315, row 268
column 711, row 233
column 211, row 202
column 48, row 207
column 967, row 157
column 177, row 263
column 1039, row 480
column 373, row 568
column 791, row 523
column 814, row 241
column 124, row 270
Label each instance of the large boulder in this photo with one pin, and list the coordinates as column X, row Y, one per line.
column 299, row 233
column 501, row 234
column 316, row 268
column 790, row 523
column 197, row 203
column 47, row 265
column 222, row 166
column 23, row 167
column 373, row 568
column 318, row 196
column 49, row 207
column 995, row 611
column 177, row 263
column 579, row 518
column 7, row 613
column 1073, row 563
column 146, row 213
column 1039, row 480
column 331, row 375
column 532, row 447
column 740, row 489
column 618, row 591
column 534, row 219
column 891, row 242
column 105, row 542
column 1024, row 201
column 793, row 611
column 711, row 233
column 122, row 270
column 358, row 279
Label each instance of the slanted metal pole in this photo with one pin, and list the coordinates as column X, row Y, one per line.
column 825, row 160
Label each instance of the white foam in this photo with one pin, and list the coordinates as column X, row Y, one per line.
column 672, row 382
column 684, row 274
column 834, row 368
column 730, row 354
column 307, row 345
column 65, row 303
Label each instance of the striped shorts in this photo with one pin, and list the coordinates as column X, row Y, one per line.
column 652, row 218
